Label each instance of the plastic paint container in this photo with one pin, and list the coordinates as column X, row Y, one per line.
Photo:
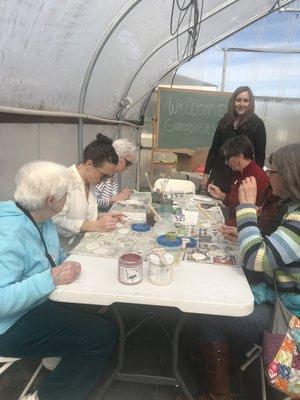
column 130, row 269
column 171, row 246
column 161, row 273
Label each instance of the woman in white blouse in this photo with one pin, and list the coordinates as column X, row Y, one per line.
column 80, row 213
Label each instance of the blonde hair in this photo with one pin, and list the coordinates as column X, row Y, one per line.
column 38, row 180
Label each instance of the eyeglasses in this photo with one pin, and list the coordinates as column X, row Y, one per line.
column 104, row 176
column 128, row 163
column 269, row 172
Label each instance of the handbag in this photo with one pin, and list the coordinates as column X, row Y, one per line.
column 281, row 350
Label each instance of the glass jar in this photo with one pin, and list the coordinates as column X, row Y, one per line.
column 171, row 246
column 164, row 224
column 130, row 269
column 161, row 269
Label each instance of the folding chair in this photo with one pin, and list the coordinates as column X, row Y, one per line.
column 252, row 354
column 49, row 363
column 175, row 185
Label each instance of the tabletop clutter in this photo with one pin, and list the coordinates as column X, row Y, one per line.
column 161, row 229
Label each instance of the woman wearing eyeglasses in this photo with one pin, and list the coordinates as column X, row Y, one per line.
column 238, row 155
column 80, row 213
column 277, row 253
column 107, row 192
column 240, row 119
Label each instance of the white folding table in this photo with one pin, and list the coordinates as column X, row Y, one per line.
column 196, row 288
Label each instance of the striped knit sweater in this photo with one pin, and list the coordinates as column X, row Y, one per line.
column 278, row 252
column 104, row 191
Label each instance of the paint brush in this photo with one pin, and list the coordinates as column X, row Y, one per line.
column 153, row 210
column 148, row 180
column 205, row 213
column 166, row 182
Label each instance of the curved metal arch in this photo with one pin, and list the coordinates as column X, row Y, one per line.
column 94, row 58
column 206, row 16
column 203, row 48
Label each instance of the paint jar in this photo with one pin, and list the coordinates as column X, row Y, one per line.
column 164, row 224
column 161, row 269
column 171, row 246
column 130, row 269
column 150, row 215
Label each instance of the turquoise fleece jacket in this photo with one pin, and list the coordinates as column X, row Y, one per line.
column 25, row 272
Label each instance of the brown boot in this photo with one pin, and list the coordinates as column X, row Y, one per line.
column 215, row 357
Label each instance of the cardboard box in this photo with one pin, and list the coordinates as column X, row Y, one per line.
column 189, row 160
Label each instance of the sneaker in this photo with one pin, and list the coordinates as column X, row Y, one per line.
column 31, row 396
column 50, row 362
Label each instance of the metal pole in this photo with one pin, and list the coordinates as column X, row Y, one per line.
column 101, row 44
column 225, row 59
column 170, row 39
column 205, row 47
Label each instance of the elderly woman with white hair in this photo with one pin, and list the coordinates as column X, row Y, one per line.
column 108, row 192
column 32, row 264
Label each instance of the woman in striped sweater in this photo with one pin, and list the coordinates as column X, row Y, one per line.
column 108, row 192
column 278, row 253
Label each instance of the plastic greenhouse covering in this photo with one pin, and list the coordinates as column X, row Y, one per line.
column 54, row 51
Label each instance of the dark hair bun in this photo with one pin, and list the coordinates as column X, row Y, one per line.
column 103, row 139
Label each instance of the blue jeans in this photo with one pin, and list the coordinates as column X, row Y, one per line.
column 246, row 330
column 84, row 342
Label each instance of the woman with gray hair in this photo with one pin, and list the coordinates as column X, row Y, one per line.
column 108, row 192
column 276, row 254
column 32, row 264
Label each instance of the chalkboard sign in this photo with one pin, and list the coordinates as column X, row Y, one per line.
column 188, row 118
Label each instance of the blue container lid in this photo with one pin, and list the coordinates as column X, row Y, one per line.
column 192, row 242
column 169, row 243
column 140, row 227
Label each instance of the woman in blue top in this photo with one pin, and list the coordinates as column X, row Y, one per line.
column 32, row 264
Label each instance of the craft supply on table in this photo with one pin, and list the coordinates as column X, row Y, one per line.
column 160, row 267
column 151, row 214
column 149, row 182
column 130, row 271
column 166, row 208
column 165, row 224
column 206, row 245
column 173, row 246
column 205, row 213
column 171, row 235
column 150, row 217
column 157, row 197
column 139, row 227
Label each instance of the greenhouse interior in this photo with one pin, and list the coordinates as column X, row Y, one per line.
column 154, row 143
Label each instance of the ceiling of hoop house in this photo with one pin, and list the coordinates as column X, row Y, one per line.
column 47, row 47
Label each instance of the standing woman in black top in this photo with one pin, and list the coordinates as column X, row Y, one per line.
column 239, row 120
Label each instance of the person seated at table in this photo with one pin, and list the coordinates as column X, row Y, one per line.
column 32, row 265
column 107, row 192
column 238, row 154
column 80, row 212
column 277, row 253
column 269, row 215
